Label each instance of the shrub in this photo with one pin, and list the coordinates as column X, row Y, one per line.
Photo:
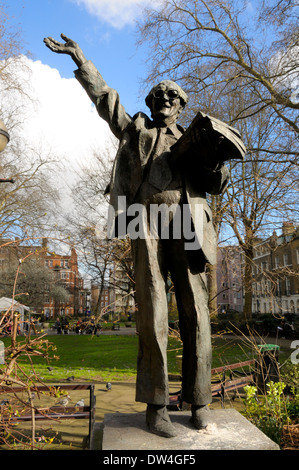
column 289, row 374
column 269, row 412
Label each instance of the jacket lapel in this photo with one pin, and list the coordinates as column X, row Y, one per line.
column 147, row 140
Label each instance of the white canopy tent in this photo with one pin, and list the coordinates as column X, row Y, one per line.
column 7, row 303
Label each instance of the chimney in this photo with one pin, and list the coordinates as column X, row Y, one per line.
column 288, row 228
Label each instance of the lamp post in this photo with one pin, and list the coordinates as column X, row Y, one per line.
column 4, row 139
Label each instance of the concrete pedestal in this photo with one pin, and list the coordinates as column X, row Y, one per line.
column 227, row 430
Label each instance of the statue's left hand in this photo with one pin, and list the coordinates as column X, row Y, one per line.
column 210, row 150
column 204, row 145
column 70, row 47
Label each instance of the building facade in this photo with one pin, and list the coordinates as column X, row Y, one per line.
column 275, row 273
column 116, row 297
column 229, row 279
column 65, row 276
column 101, row 300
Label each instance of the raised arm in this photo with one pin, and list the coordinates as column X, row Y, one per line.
column 105, row 98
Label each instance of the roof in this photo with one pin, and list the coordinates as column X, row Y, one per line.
column 6, row 303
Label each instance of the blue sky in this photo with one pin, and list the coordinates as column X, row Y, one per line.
column 103, row 28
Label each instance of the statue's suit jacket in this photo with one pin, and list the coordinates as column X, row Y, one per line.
column 137, row 136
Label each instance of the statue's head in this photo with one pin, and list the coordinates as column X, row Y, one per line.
column 166, row 99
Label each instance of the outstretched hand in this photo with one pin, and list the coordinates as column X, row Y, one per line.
column 69, row 47
column 206, row 147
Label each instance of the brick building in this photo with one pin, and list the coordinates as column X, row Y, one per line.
column 103, row 305
column 13, row 250
column 65, row 274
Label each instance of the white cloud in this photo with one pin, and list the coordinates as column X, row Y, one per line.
column 61, row 116
column 117, row 13
column 59, row 120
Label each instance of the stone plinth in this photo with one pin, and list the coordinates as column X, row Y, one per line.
column 227, row 430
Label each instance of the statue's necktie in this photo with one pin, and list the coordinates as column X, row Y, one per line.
column 160, row 174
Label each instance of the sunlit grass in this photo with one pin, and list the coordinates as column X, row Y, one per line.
column 114, row 357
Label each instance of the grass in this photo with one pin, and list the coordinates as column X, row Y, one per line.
column 86, row 357
column 113, row 357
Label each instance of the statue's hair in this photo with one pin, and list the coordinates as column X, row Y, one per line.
column 167, row 84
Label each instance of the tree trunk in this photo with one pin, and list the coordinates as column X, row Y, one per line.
column 216, row 208
column 97, row 308
column 248, row 253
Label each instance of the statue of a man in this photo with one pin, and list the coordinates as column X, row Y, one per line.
column 146, row 172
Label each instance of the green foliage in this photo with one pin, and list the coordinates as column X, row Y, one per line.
column 289, row 374
column 271, row 412
column 293, row 406
column 173, row 314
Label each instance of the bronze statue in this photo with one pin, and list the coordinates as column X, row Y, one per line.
column 157, row 164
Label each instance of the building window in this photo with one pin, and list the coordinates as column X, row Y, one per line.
column 288, row 286
column 278, row 286
column 268, row 286
column 258, row 288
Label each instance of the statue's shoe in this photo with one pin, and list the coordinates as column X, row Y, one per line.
column 159, row 422
column 200, row 416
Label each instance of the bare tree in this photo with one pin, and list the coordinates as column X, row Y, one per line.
column 98, row 255
column 206, row 42
column 240, row 64
column 34, row 283
column 261, row 194
column 27, row 206
column 24, row 207
column 11, row 48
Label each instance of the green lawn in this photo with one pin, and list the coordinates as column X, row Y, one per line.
column 87, row 357
column 113, row 357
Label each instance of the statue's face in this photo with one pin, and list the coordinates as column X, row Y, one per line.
column 166, row 103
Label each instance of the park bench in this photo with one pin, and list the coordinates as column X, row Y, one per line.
column 57, row 412
column 231, row 379
column 115, row 326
